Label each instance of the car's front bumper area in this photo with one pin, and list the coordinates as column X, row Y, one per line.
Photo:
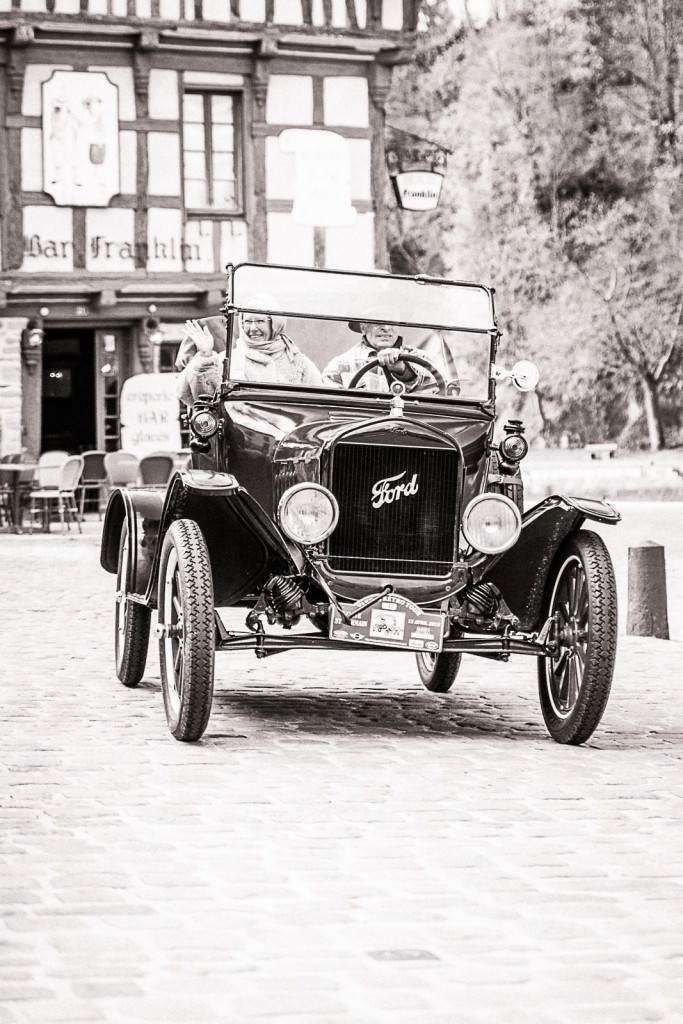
column 491, row 645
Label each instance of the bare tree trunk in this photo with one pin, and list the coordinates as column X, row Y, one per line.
column 634, row 411
column 653, row 416
column 540, row 405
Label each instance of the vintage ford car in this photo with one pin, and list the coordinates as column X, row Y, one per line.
column 362, row 508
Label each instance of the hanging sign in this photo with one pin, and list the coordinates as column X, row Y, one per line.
column 418, row 190
column 416, row 173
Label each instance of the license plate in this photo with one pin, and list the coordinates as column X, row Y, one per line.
column 393, row 622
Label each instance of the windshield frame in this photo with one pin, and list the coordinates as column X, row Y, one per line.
column 233, row 307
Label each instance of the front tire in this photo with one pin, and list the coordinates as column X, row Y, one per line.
column 438, row 671
column 187, row 636
column 131, row 620
column 574, row 684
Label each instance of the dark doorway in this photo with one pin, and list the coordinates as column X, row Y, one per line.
column 68, row 404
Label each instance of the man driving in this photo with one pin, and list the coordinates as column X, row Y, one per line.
column 381, row 342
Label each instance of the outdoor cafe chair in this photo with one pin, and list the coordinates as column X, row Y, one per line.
column 93, row 480
column 49, row 466
column 61, row 499
column 6, row 512
column 122, row 468
column 13, row 489
column 156, row 469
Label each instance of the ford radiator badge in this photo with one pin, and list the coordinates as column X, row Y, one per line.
column 385, row 491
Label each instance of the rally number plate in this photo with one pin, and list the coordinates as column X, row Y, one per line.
column 393, row 622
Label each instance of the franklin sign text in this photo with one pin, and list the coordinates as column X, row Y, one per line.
column 392, row 488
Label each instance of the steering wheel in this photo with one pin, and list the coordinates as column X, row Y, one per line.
column 407, row 357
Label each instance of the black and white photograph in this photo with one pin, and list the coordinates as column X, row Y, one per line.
column 341, row 511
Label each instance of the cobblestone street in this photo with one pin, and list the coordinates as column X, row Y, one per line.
column 343, row 847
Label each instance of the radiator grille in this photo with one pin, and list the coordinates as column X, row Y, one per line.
column 410, row 535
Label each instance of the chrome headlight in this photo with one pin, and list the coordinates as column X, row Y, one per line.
column 204, row 423
column 491, row 523
column 308, row 513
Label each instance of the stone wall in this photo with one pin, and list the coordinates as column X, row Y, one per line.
column 10, row 374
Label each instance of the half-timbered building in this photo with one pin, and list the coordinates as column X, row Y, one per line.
column 145, row 144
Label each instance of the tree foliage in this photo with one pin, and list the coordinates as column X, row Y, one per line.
column 565, row 191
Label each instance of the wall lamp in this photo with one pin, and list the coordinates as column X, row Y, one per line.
column 32, row 342
column 153, row 330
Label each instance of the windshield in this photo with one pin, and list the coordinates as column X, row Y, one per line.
column 331, row 329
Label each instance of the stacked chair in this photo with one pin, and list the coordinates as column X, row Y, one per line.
column 49, row 466
column 93, row 480
column 122, row 469
column 6, row 492
column 60, row 498
column 156, row 469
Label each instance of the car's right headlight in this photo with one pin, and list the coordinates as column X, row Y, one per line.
column 491, row 523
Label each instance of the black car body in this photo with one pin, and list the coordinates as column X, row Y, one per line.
column 384, row 511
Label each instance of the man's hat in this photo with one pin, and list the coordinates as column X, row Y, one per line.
column 380, row 314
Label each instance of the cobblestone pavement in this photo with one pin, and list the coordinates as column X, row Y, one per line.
column 343, row 847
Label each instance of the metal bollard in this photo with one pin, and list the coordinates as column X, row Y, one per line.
column 647, row 614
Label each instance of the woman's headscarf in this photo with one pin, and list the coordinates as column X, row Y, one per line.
column 278, row 340
column 263, row 352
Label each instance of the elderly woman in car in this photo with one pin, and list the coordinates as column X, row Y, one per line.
column 263, row 353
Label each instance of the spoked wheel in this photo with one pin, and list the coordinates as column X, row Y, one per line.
column 187, row 638
column 131, row 620
column 574, row 683
column 438, row 671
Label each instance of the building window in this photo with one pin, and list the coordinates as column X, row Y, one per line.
column 210, row 156
column 168, row 350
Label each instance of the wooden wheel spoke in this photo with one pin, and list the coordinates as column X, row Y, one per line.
column 574, row 684
column 560, row 672
column 564, row 609
column 581, row 601
column 178, row 665
column 571, row 591
column 580, row 658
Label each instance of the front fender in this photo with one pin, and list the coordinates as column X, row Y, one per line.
column 244, row 545
column 521, row 572
column 135, row 507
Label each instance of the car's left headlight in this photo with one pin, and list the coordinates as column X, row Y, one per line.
column 491, row 523
column 308, row 513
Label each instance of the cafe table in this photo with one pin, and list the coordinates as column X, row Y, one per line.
column 12, row 471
